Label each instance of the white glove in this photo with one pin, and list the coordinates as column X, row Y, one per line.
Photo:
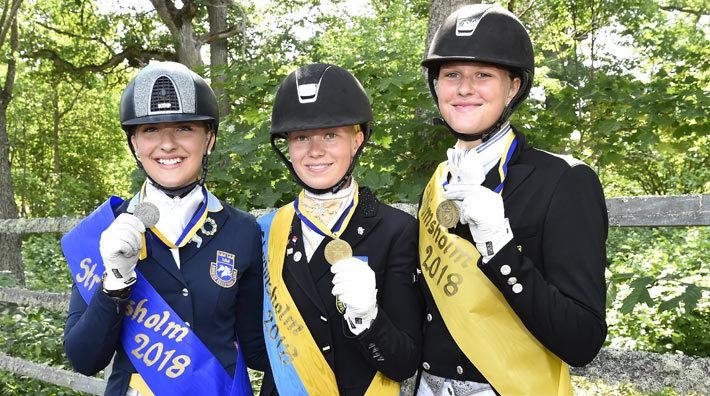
column 354, row 284
column 482, row 209
column 120, row 246
column 465, row 166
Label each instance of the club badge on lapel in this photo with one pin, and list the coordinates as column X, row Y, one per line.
column 209, row 227
column 223, row 270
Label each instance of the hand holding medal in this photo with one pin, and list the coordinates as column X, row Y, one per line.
column 355, row 286
column 465, row 167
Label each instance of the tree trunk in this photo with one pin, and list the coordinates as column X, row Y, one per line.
column 179, row 23
column 10, row 244
column 438, row 11
column 188, row 48
column 217, row 11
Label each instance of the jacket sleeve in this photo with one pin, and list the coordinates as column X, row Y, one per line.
column 561, row 300
column 92, row 332
column 250, row 300
column 393, row 341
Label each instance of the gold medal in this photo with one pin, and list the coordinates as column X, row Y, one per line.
column 337, row 249
column 447, row 213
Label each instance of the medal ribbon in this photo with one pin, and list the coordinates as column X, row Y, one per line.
column 166, row 352
column 508, row 152
column 510, row 147
column 317, row 226
column 195, row 223
column 297, row 363
column 477, row 315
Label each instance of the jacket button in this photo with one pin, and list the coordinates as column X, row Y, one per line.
column 428, row 317
column 505, row 269
column 185, row 292
column 517, row 288
column 426, row 366
column 187, row 324
column 512, row 280
column 459, row 369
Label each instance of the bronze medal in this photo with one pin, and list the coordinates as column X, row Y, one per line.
column 337, row 249
column 447, row 213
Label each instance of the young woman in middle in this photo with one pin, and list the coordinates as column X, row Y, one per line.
column 342, row 314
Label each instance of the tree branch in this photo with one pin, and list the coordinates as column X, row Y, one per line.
column 208, row 38
column 7, row 19
column 136, row 57
column 697, row 13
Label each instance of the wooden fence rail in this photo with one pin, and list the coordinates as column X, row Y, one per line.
column 648, row 372
column 642, row 211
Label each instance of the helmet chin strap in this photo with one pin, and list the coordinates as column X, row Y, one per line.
column 332, row 189
column 483, row 136
column 173, row 192
column 491, row 131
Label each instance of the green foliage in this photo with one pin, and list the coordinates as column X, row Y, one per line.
column 248, row 174
column 68, row 151
column 45, row 267
column 659, row 289
column 34, row 334
column 621, row 89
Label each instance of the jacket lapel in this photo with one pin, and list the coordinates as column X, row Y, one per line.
column 160, row 254
column 299, row 269
column 517, row 173
column 201, row 240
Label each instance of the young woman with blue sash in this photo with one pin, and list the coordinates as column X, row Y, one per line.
column 167, row 283
column 511, row 238
column 342, row 312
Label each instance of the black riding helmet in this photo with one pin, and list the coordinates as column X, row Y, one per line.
column 483, row 33
column 168, row 92
column 319, row 96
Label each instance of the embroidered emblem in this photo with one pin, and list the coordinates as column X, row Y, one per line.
column 466, row 24
column 297, row 256
column 209, row 227
column 223, row 270
column 360, row 230
column 339, row 305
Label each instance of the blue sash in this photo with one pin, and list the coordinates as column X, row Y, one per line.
column 285, row 375
column 165, row 351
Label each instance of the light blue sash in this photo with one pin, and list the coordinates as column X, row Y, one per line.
column 165, row 351
column 285, row 376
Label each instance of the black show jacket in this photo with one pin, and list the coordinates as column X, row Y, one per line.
column 558, row 216
column 392, row 344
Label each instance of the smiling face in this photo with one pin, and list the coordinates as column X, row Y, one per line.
column 171, row 153
column 473, row 95
column 321, row 157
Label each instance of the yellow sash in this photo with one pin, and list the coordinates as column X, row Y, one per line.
column 138, row 383
column 312, row 368
column 480, row 320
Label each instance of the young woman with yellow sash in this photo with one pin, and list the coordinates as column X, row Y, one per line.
column 167, row 283
column 511, row 238
column 342, row 312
